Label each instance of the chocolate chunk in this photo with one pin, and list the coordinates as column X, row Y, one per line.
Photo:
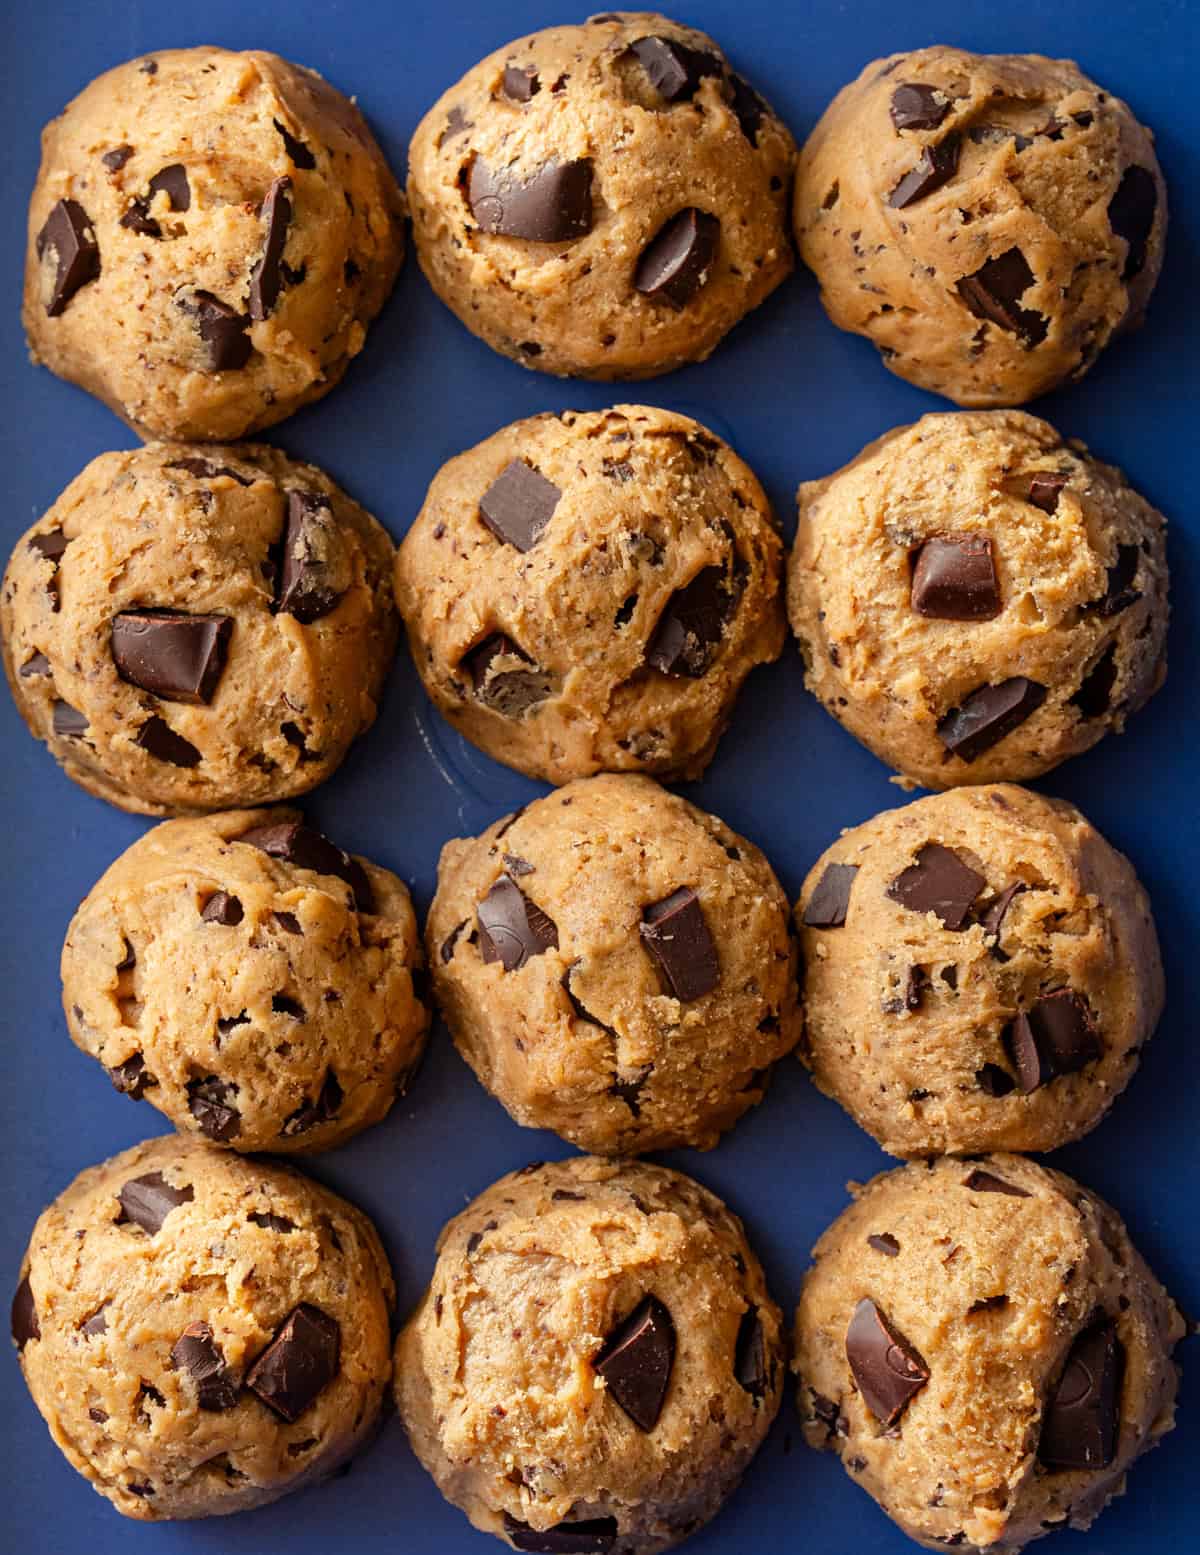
column 266, row 277
column 457, row 124
column 830, row 901
column 50, row 545
column 1094, row 696
column 552, row 206
column 627, row 1090
column 300, row 1361
column 221, row 328
column 132, row 1078
column 987, row 715
column 520, row 83
column 209, row 1104
column 750, row 1355
column 116, row 159
column 306, row 848
column 516, row 865
column 288, row 922
column 888, row 1370
column 204, row 469
column 979, row 1181
column 994, row 1081
column 675, row 263
column 508, row 692
column 918, row 107
column 36, row 664
column 177, row 656
column 619, row 470
column 885, row 1243
column 223, row 909
column 298, row 153
column 1120, row 593
column 96, row 1325
column 935, row 166
column 68, row 722
column 676, row 935
column 993, row 915
column 198, row 1353
column 519, row 504
column 1131, row 217
column 691, row 625
column 25, row 1325
column 305, row 552
column 511, row 927
column 158, row 739
column 283, row 1004
column 748, row 107
column 1044, row 487
column 590, row 1536
column 69, row 236
column 939, row 881
column 994, row 293
column 954, row 578
column 138, row 219
column 270, row 1222
column 988, row 1304
column 1080, row 1426
column 311, row 1113
column 675, row 71
column 448, row 944
column 148, row 1200
column 173, row 182
column 1056, row 1037
column 636, row 1362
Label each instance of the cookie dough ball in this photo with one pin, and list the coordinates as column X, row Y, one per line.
column 985, row 1350
column 193, row 629
column 982, row 972
column 988, row 221
column 250, row 980
column 615, row 965
column 203, row 1333
column 596, row 1360
column 588, row 591
column 977, row 600
column 603, row 201
column 209, row 236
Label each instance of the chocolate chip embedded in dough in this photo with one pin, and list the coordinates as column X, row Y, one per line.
column 994, row 292
column 987, row 715
column 830, row 901
column 512, row 929
column 636, row 1361
column 68, row 235
column 677, row 936
column 888, row 1369
column 553, row 205
column 300, row 1362
column 939, row 881
column 677, row 261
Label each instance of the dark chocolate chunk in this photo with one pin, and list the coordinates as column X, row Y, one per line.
column 25, row 1325
column 980, row 1181
column 298, row 153
column 590, row 1536
column 1094, row 696
column 954, row 578
column 508, row 692
column 675, row 263
column 223, row 909
column 198, row 1353
column 918, row 107
column 935, row 166
column 675, row 71
column 36, row 664
column 204, row 469
column 96, row 1325
column 173, row 182
column 939, row 881
column 209, row 1103
column 116, row 159
column 987, row 715
column 511, row 927
column 457, row 124
column 266, row 279
column 748, row 107
column 691, row 626
column 1044, row 487
column 309, row 536
column 288, row 922
column 300, row 1361
column 158, row 739
column 138, row 219
column 50, row 545
column 885, row 1243
column 552, row 206
column 520, row 83
column 988, row 1304
column 994, row 1081
column 993, row 914
column 994, row 293
column 148, row 1200
column 448, row 944
column 1080, row 1426
column 830, row 901
column 270, row 1222
column 519, row 504
column 68, row 722
column 750, row 1355
column 516, row 865
column 221, row 328
column 1131, row 217
column 1120, row 593
column 627, row 1090
column 1056, row 1037
column 888, row 1370
column 68, row 234
column 132, row 1078
column 676, row 935
column 306, row 848
column 323, row 1110
column 619, row 470
column 176, row 656
column 636, row 1362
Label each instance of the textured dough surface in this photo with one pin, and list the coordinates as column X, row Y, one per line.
column 961, row 1465
column 301, row 1015
column 923, row 1080
column 587, row 1038
column 1041, row 155
column 144, row 531
column 571, row 306
column 649, row 500
column 247, row 1244
column 236, row 124
column 1082, row 593
column 495, row 1375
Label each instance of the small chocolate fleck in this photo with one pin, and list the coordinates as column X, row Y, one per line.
column 885, row 1243
column 116, row 159
column 980, row 1181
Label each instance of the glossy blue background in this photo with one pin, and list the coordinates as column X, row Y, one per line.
column 797, row 398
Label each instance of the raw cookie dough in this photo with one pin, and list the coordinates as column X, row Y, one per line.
column 596, row 1360
column 210, row 235
column 976, row 599
column 988, row 221
column 602, row 201
column 615, row 965
column 588, row 591
column 191, row 629
column 982, row 972
column 985, row 1350
column 250, row 980
column 203, row 1333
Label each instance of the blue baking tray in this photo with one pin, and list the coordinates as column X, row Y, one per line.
column 797, row 399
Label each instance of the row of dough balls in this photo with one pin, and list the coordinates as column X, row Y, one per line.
column 212, row 233
column 193, row 627
column 597, row 1357
column 978, row 970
